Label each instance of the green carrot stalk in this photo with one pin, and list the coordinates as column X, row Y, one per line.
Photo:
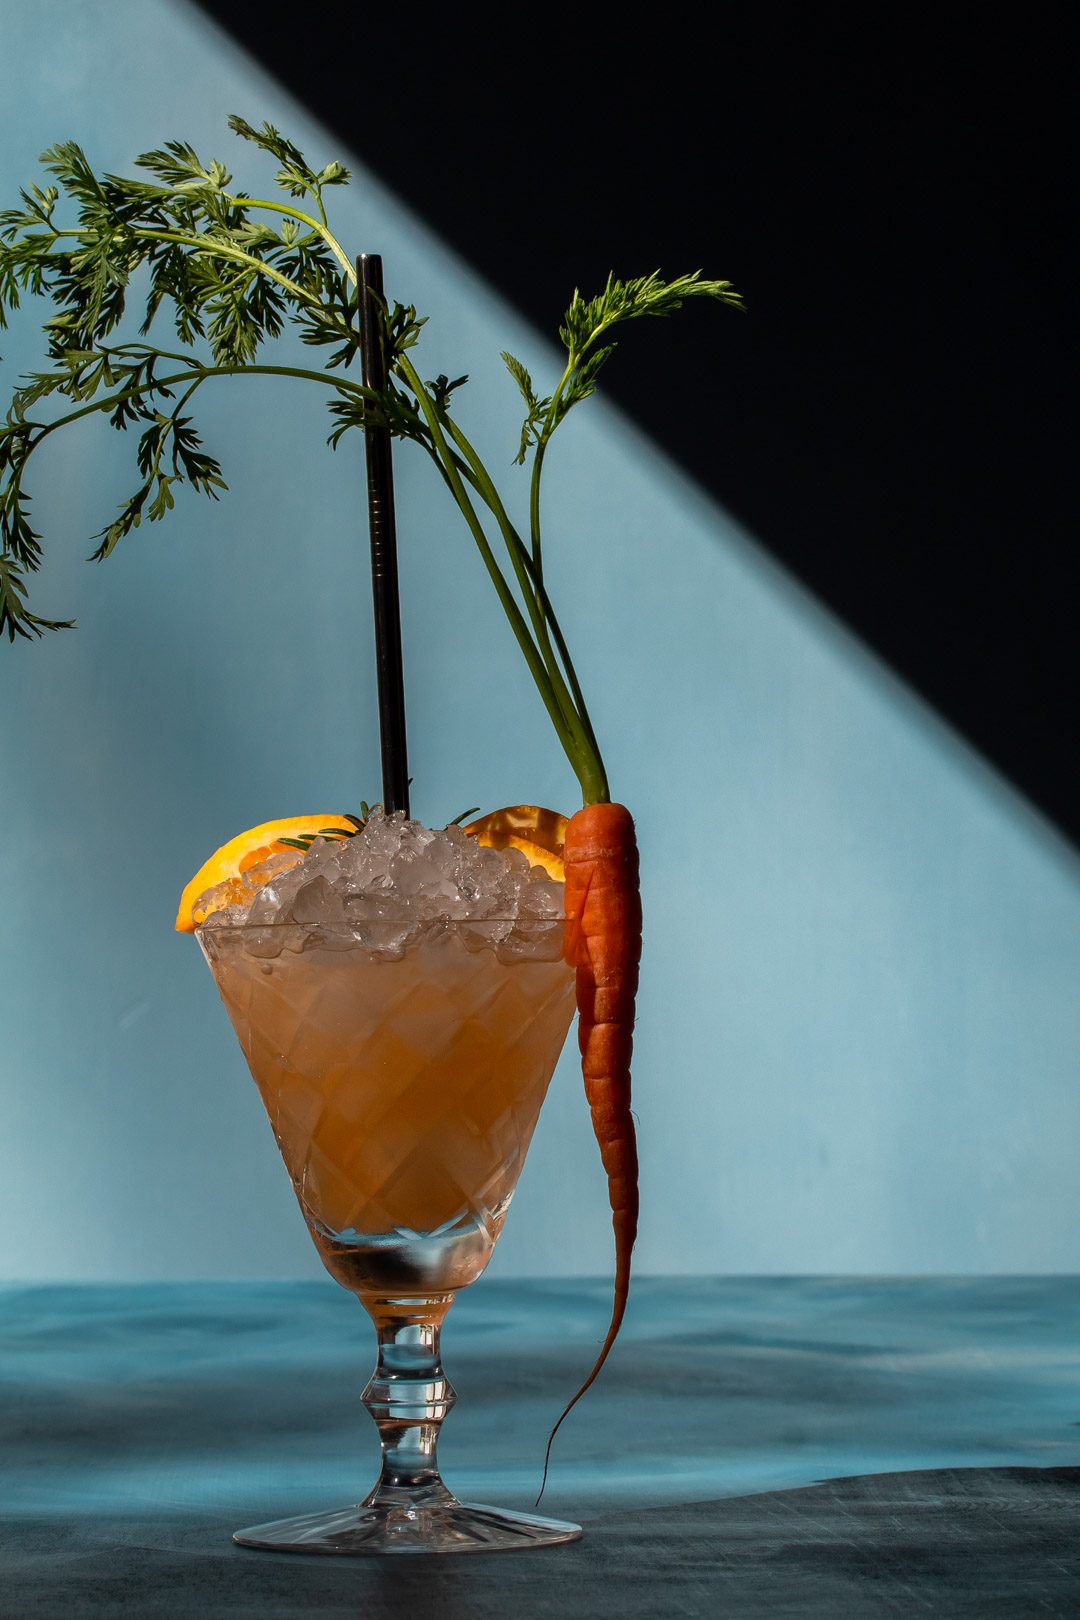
column 233, row 272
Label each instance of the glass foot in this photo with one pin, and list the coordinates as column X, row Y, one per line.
column 436, row 1527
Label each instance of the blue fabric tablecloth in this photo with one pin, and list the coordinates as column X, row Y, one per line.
column 139, row 1425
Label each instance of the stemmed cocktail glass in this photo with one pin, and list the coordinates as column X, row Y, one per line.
column 403, row 1090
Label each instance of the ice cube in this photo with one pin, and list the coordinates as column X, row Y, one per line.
column 397, row 882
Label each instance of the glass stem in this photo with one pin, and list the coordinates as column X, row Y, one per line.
column 408, row 1396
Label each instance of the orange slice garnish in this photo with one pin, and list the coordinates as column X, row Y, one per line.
column 539, row 834
column 229, row 863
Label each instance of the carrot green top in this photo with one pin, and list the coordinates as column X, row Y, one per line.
column 231, row 271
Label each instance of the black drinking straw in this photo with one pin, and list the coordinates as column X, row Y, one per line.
column 384, row 571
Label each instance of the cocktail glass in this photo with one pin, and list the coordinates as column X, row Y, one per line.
column 403, row 1092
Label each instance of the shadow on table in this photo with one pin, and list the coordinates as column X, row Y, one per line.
column 984, row 1542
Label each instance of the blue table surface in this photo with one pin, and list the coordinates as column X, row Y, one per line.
column 140, row 1424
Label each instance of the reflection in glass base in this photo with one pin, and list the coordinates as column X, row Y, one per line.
column 442, row 1526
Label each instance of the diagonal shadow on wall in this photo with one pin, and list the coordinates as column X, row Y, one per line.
column 892, row 419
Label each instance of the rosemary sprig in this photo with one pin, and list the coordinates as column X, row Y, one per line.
column 232, row 272
column 329, row 835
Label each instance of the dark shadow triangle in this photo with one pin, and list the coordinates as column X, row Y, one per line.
column 893, row 420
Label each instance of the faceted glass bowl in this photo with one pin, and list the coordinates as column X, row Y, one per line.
column 403, row 1092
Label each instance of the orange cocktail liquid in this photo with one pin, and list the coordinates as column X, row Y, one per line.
column 403, row 1093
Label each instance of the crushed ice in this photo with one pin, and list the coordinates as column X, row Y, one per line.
column 393, row 884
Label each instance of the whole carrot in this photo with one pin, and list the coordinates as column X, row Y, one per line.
column 603, row 909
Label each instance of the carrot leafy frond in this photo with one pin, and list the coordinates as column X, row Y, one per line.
column 232, row 272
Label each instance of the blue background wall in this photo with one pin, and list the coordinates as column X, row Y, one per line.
column 858, row 1036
